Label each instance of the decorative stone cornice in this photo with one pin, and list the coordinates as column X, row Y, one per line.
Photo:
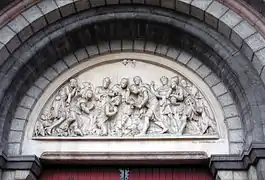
column 29, row 163
column 238, row 162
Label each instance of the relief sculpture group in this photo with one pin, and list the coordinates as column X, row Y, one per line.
column 130, row 108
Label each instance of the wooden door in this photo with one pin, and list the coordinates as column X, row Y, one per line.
column 100, row 173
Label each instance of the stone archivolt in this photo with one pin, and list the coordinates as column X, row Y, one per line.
column 128, row 109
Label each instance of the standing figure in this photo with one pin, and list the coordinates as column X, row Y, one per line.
column 71, row 89
column 147, row 100
column 109, row 110
column 103, row 93
column 163, row 93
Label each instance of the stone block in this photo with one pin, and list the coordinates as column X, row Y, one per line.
column 21, row 27
column 21, row 113
column 240, row 175
column 225, row 99
column 13, row 149
column 70, row 60
column 152, row 2
column 183, row 6
column 97, row 3
column 104, row 48
column 35, row 17
column 198, row 7
column 203, row 71
column 4, row 54
column 184, row 57
column 27, row 102
column 109, row 2
column 128, row 1
column 214, row 12
column 219, row 89
column 168, row 4
column 172, row 53
column 60, row 66
column 236, row 148
column 252, row 173
column 234, row 123
column 50, row 74
column 18, row 124
column 236, row 135
column 41, row 82
column 127, row 45
column 236, row 39
column 150, row 46
column 8, row 175
column 138, row 2
column 247, row 51
column 231, row 19
column 244, row 29
column 50, row 10
column 81, row 54
column 81, row 5
column 255, row 42
column 259, row 60
column 139, row 45
column 161, row 49
column 9, row 38
column 194, row 64
column 115, row 45
column 34, row 92
column 230, row 111
column 225, row 175
column 212, row 79
column 15, row 136
column 66, row 7
column 92, row 50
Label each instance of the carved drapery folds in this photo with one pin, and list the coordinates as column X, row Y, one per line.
column 175, row 107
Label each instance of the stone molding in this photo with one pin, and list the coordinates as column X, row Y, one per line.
column 238, row 162
column 25, row 163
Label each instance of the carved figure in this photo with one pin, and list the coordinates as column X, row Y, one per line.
column 148, row 101
column 175, row 107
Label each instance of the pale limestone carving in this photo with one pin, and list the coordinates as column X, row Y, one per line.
column 176, row 107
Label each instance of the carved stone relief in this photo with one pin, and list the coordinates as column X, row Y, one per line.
column 171, row 106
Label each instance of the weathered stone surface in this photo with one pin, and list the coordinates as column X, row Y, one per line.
column 212, row 79
column 70, row 60
column 226, row 99
column 66, row 7
column 236, row 148
column 194, row 64
column 92, row 50
column 50, row 74
column 81, row 5
column 214, row 12
column 168, row 4
column 240, row 175
column 27, row 102
column 236, row 135
column 35, row 17
column 150, row 46
column 34, row 91
column 13, row 149
column 230, row 111
column 8, row 175
column 184, row 57
column 50, row 10
column 234, row 123
column 81, row 54
column 60, row 66
column 224, row 175
column 15, row 136
column 252, row 173
column 41, row 82
column 198, row 7
column 21, row 113
column 18, row 124
column 127, row 45
column 183, row 6
column 173, row 53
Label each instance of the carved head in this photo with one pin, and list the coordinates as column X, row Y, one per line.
column 124, row 82
column 134, row 89
column 164, row 80
column 73, row 83
column 174, row 81
column 137, row 80
column 106, row 82
column 184, row 83
column 116, row 100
